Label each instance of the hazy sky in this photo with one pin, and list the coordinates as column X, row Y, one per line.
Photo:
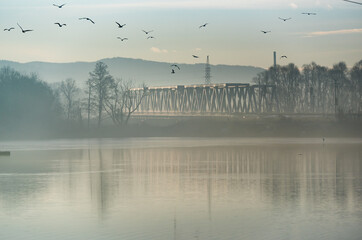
column 233, row 35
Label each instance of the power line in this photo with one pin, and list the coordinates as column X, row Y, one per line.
column 353, row 2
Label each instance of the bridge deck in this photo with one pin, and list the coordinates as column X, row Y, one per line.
column 216, row 85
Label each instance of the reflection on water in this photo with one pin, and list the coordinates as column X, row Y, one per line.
column 293, row 191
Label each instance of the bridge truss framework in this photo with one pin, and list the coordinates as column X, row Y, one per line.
column 228, row 98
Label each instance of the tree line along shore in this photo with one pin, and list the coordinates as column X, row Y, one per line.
column 103, row 106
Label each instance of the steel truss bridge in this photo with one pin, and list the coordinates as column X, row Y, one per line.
column 228, row 98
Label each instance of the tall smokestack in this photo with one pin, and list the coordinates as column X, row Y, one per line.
column 275, row 59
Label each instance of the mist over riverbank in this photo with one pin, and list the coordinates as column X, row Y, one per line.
column 200, row 127
column 283, row 102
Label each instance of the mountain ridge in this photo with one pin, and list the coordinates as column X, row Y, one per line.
column 152, row 73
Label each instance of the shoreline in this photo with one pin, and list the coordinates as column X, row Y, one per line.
column 197, row 127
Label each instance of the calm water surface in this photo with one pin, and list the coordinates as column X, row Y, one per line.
column 178, row 188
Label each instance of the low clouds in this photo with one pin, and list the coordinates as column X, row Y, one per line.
column 158, row 50
column 334, row 32
column 293, row 5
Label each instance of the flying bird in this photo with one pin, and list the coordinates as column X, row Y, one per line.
column 285, row 19
column 60, row 24
column 24, row 31
column 265, row 32
column 8, row 29
column 175, row 65
column 353, row 2
column 309, row 13
column 122, row 39
column 195, row 56
column 120, row 25
column 283, row 56
column 147, row 32
column 87, row 19
column 150, row 37
column 59, row 6
column 203, row 25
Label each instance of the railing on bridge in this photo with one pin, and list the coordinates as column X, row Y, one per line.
column 208, row 98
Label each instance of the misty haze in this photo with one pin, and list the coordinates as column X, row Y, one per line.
column 181, row 120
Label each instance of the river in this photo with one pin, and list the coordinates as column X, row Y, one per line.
column 182, row 188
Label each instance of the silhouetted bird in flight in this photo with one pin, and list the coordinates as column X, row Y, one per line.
column 265, row 32
column 122, row 39
column 120, row 25
column 24, row 31
column 87, row 19
column 150, row 37
column 203, row 25
column 283, row 56
column 172, row 71
column 59, row 6
column 147, row 32
column 309, row 13
column 195, row 56
column 175, row 65
column 353, row 2
column 8, row 29
column 60, row 25
column 285, row 19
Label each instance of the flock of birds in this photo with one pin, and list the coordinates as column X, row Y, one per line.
column 173, row 66
column 119, row 25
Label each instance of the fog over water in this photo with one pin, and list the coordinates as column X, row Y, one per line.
column 179, row 188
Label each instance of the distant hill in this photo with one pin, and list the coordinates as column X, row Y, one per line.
column 140, row 71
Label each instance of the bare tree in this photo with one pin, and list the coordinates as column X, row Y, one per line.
column 356, row 80
column 287, row 81
column 316, row 87
column 99, row 85
column 88, row 92
column 124, row 101
column 115, row 102
column 69, row 90
column 338, row 76
column 133, row 98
